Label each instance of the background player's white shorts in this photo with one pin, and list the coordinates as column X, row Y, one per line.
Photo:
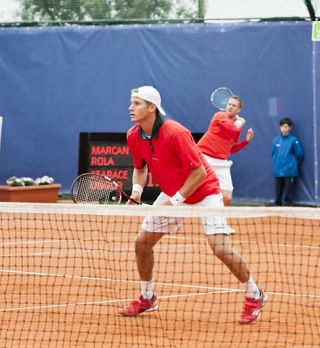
column 211, row 224
column 222, row 171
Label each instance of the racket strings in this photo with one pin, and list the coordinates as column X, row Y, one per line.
column 91, row 189
column 220, row 97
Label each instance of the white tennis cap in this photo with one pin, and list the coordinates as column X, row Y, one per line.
column 149, row 94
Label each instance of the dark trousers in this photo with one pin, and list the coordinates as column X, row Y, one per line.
column 284, row 190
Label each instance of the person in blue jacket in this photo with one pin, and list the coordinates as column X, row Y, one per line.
column 287, row 154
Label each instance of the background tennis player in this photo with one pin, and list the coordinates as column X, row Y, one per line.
column 221, row 140
column 185, row 178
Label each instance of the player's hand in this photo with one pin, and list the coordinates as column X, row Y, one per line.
column 136, row 196
column 240, row 122
column 250, row 135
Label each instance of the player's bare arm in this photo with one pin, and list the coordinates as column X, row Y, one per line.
column 193, row 181
column 139, row 177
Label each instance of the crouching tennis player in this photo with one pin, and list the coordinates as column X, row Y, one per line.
column 180, row 170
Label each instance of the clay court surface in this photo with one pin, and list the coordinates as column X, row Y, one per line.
column 63, row 279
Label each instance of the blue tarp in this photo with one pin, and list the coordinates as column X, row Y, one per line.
column 57, row 82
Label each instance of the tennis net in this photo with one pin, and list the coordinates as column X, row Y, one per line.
column 67, row 269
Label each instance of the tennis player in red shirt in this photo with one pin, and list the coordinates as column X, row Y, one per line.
column 221, row 140
column 158, row 144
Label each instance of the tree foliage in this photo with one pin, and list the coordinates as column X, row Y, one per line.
column 87, row 10
column 133, row 9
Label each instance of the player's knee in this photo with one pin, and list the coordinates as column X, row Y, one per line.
column 144, row 243
column 140, row 245
column 227, row 201
column 227, row 198
column 220, row 246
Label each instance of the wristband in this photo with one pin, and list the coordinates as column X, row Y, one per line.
column 138, row 188
column 177, row 199
column 238, row 123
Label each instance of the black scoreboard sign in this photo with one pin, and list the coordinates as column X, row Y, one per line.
column 108, row 154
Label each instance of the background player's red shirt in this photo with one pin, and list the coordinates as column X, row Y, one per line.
column 221, row 138
column 171, row 154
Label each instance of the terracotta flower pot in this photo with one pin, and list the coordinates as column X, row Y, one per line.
column 34, row 194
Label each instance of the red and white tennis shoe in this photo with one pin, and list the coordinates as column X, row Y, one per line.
column 139, row 306
column 251, row 308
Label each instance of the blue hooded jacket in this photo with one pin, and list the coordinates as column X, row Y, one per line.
column 287, row 154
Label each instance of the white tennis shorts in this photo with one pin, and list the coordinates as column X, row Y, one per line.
column 222, row 171
column 211, row 224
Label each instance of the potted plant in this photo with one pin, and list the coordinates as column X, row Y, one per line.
column 25, row 189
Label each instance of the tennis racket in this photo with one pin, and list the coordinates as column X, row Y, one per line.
column 90, row 188
column 219, row 98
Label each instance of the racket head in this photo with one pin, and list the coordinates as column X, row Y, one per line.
column 90, row 188
column 219, row 98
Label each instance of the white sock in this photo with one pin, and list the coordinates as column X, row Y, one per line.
column 147, row 289
column 252, row 290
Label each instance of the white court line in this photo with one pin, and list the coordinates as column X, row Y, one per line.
column 159, row 246
column 50, row 253
column 57, row 275
column 102, row 302
column 212, row 289
column 79, row 251
column 64, row 305
column 284, row 245
column 87, row 251
column 45, row 241
column 237, row 242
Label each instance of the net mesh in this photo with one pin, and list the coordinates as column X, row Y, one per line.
column 67, row 269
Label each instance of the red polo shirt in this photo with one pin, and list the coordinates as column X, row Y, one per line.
column 171, row 154
column 221, row 138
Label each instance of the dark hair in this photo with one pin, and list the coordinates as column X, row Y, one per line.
column 287, row 121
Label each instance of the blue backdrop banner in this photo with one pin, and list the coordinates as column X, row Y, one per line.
column 57, row 82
